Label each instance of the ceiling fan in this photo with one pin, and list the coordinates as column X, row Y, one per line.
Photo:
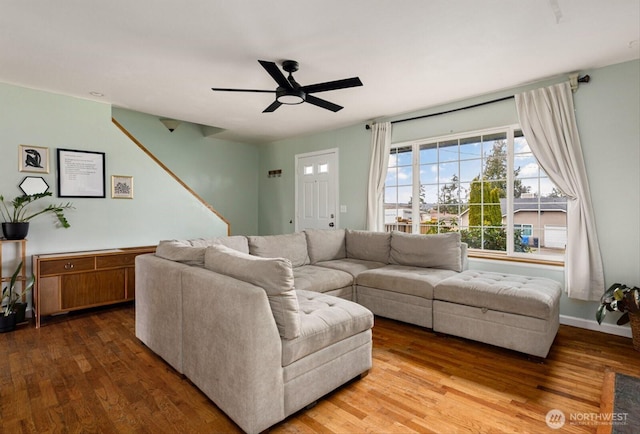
column 290, row 92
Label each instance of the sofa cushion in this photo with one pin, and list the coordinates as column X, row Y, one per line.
column 274, row 275
column 290, row 246
column 191, row 252
column 181, row 251
column 235, row 242
column 319, row 279
column 535, row 297
column 429, row 251
column 370, row 246
column 324, row 320
column 325, row 244
column 416, row 281
column 351, row 265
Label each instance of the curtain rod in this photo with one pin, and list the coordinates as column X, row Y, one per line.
column 584, row 79
column 448, row 111
column 480, row 104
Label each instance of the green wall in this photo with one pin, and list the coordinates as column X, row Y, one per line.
column 608, row 116
column 161, row 208
column 277, row 195
column 223, row 173
column 232, row 177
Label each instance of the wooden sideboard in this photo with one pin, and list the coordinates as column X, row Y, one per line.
column 71, row 281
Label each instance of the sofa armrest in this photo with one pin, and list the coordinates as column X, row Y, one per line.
column 464, row 258
column 232, row 348
column 159, row 307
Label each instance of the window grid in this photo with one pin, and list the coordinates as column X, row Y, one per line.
column 481, row 184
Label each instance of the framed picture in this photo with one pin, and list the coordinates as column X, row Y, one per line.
column 121, row 187
column 31, row 185
column 81, row 173
column 33, row 159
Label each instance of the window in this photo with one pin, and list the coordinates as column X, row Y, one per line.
column 486, row 185
column 524, row 228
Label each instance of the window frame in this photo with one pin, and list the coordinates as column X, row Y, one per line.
column 510, row 254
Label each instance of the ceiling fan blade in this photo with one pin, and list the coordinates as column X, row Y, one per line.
column 274, row 105
column 323, row 103
column 276, row 74
column 333, row 85
column 220, row 89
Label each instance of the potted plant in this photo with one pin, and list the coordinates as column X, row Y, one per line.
column 12, row 308
column 621, row 298
column 16, row 221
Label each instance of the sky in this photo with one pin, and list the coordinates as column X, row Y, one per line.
column 440, row 162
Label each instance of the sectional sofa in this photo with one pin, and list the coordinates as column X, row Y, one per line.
column 266, row 325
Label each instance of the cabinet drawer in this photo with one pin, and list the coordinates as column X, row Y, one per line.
column 114, row 261
column 92, row 289
column 69, row 265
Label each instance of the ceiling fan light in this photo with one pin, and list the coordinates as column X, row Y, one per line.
column 290, row 96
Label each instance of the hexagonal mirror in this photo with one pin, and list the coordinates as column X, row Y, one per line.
column 34, row 185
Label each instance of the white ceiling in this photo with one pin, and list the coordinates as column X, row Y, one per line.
column 162, row 57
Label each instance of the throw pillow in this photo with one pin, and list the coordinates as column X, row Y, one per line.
column 274, row 275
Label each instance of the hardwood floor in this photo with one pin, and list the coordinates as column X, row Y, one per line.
column 89, row 373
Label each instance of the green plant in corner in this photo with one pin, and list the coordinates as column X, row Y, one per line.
column 620, row 298
column 10, row 295
column 22, row 213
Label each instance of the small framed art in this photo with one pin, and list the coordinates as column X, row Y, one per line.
column 121, row 187
column 33, row 159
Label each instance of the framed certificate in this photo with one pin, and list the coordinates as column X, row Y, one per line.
column 81, row 173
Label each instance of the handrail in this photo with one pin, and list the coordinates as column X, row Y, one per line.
column 173, row 175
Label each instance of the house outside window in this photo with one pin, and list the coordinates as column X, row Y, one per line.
column 487, row 185
column 526, row 230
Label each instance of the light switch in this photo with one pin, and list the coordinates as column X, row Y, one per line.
column 343, row 208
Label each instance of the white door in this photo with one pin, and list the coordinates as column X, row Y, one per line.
column 316, row 190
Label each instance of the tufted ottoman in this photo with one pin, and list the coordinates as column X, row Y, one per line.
column 516, row 312
column 334, row 341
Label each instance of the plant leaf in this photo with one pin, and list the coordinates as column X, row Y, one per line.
column 600, row 313
column 623, row 319
column 618, row 294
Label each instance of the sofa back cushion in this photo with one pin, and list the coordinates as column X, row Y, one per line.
column 290, row 246
column 236, row 242
column 325, row 244
column 191, row 252
column 430, row 251
column 369, row 246
column 274, row 275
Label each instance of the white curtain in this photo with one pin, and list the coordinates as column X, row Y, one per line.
column 548, row 123
column 380, row 147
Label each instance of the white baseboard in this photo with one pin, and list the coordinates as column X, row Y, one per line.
column 611, row 329
column 582, row 323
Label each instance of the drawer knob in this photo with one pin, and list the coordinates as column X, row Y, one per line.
column 68, row 266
